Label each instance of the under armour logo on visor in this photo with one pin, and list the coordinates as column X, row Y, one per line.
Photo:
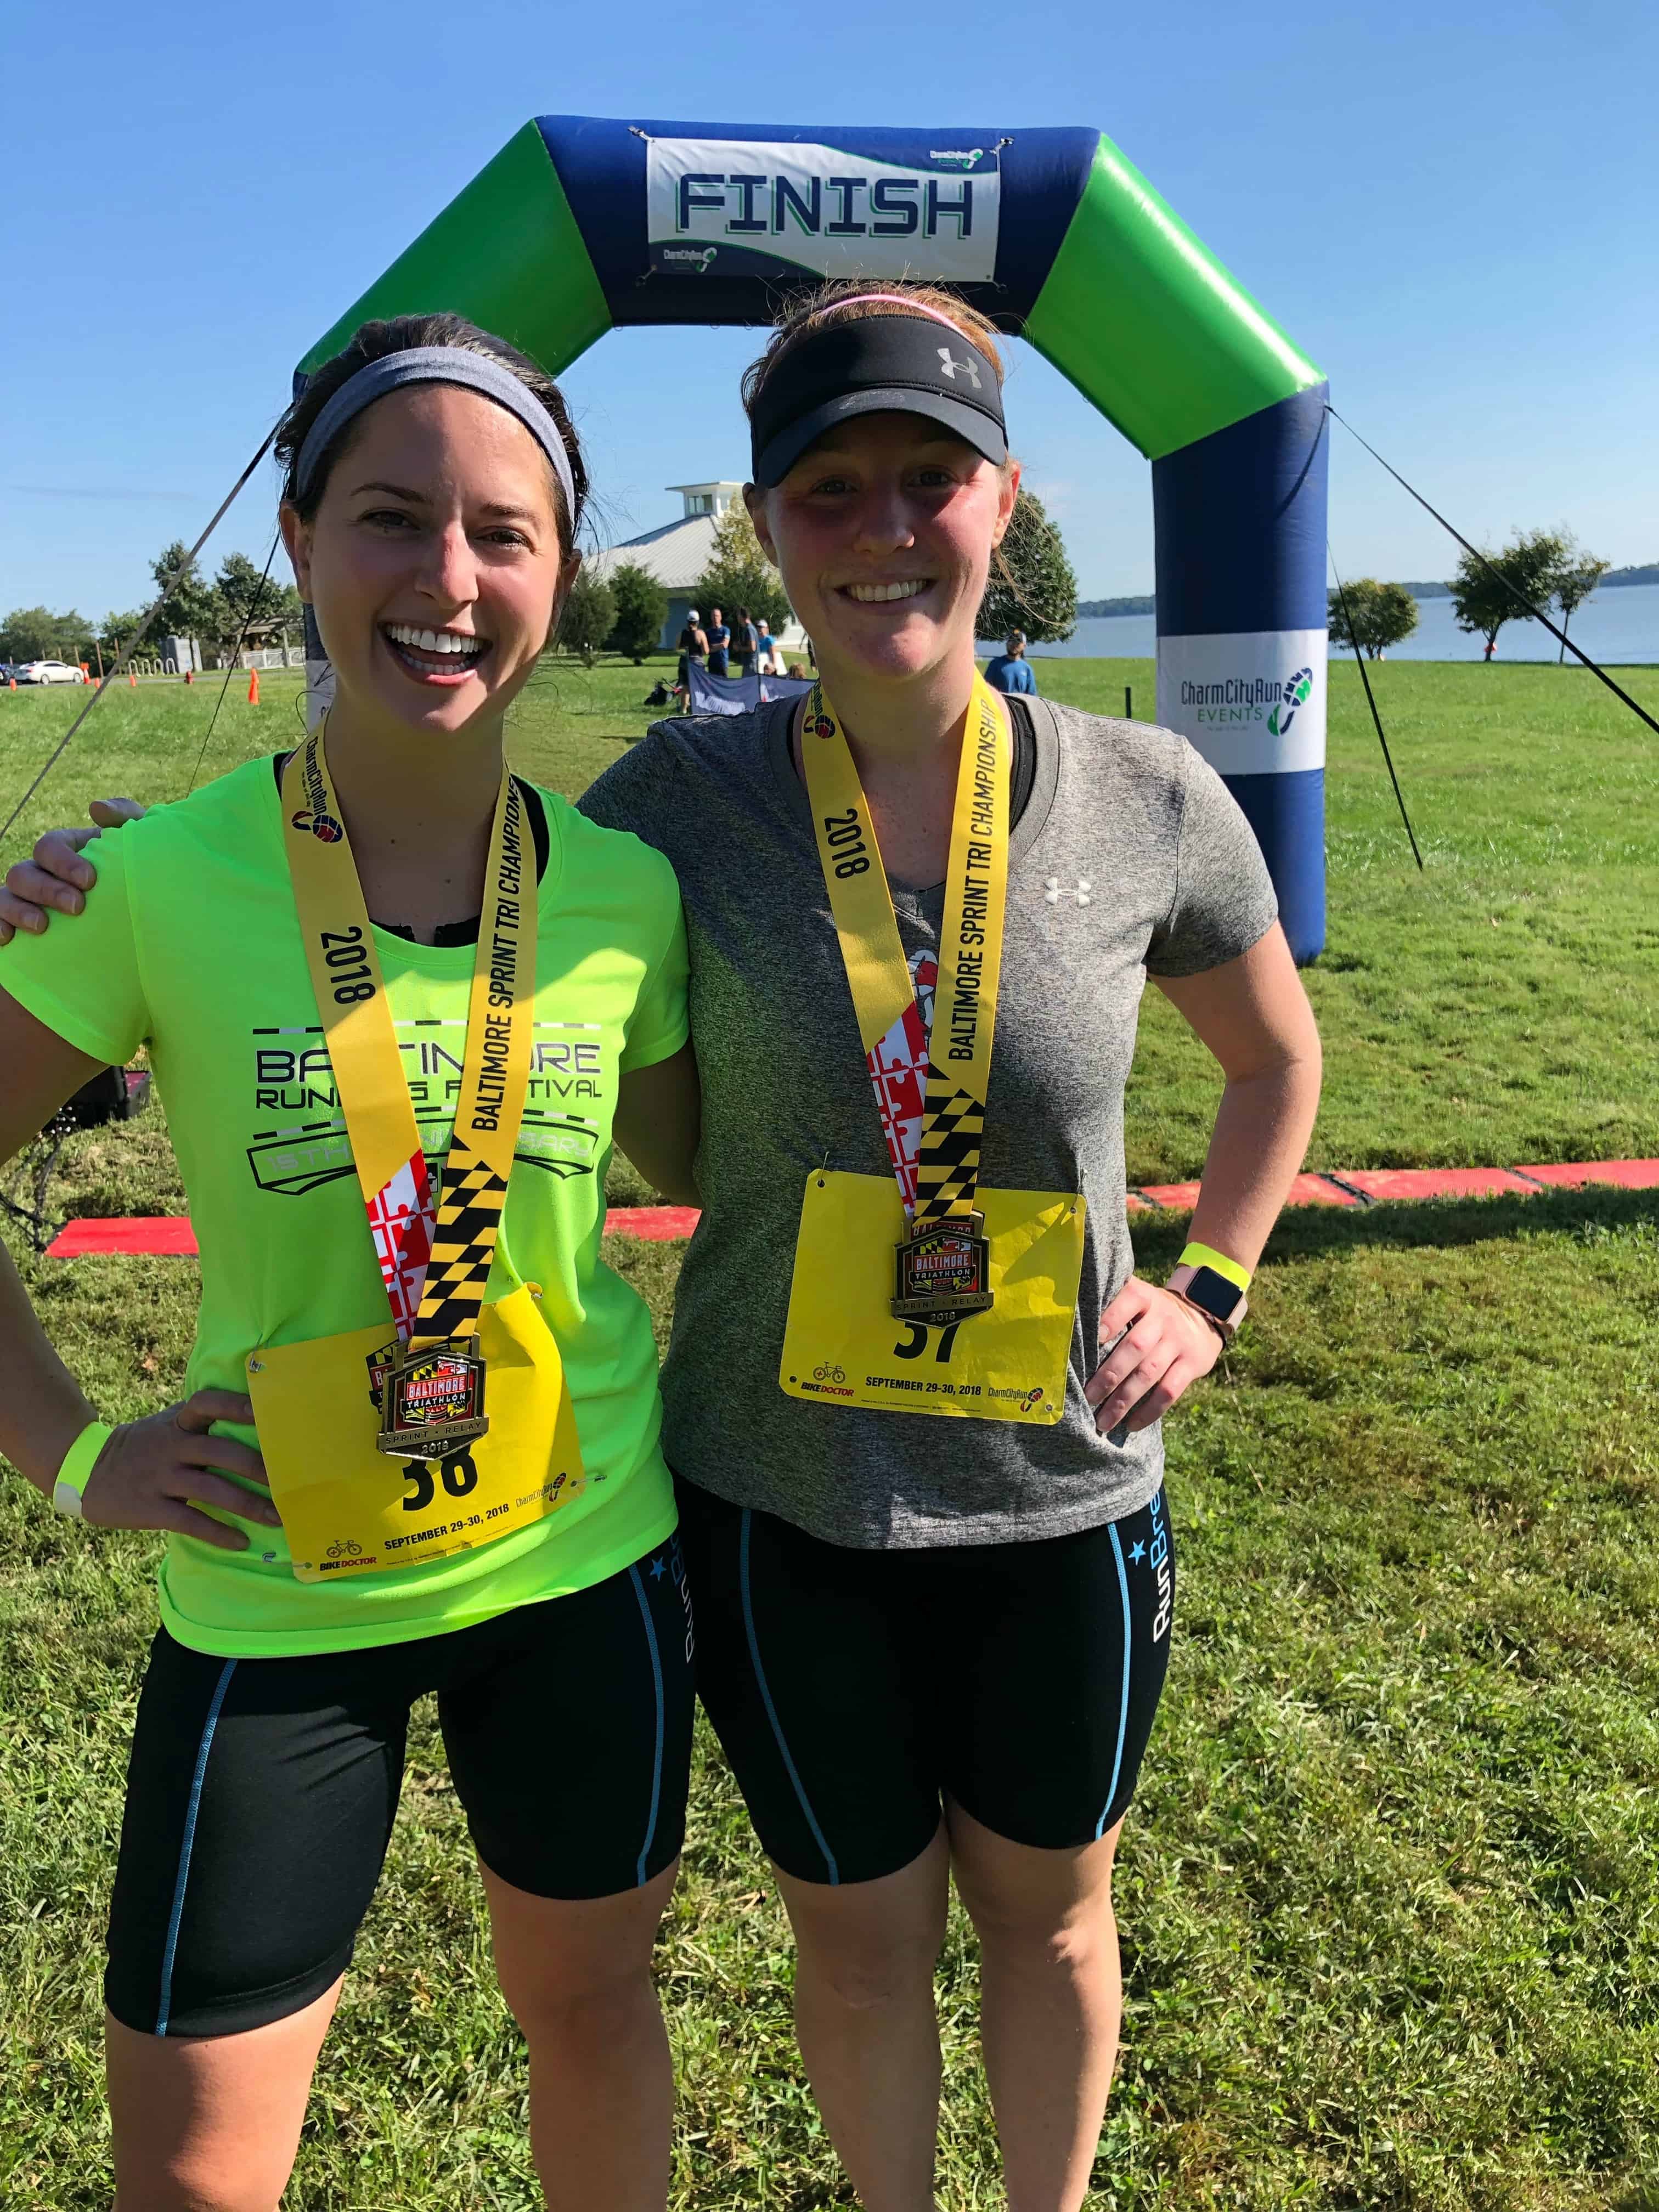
column 970, row 368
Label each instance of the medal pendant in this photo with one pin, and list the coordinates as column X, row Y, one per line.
column 942, row 1271
column 432, row 1400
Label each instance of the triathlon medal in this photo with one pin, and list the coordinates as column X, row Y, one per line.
column 432, row 1401
column 943, row 1271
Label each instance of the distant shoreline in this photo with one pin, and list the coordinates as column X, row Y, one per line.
column 1147, row 604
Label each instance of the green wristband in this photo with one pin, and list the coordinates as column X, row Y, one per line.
column 78, row 1463
column 1205, row 1256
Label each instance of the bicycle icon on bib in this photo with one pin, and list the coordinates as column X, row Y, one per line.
column 836, row 1374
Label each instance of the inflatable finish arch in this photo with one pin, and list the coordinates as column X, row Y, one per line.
column 581, row 225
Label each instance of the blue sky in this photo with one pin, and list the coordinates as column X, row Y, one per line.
column 1452, row 210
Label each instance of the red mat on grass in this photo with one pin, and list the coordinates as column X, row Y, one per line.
column 170, row 1236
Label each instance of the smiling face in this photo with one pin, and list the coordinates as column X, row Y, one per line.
column 433, row 564
column 883, row 532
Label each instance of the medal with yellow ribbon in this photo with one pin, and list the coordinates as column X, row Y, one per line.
column 1002, row 1266
column 477, row 1470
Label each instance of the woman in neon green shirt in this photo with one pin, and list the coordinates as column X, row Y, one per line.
column 433, row 487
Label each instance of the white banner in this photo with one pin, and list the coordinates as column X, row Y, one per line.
column 1253, row 701
column 718, row 204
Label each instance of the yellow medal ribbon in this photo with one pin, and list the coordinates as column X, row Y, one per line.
column 970, row 937
column 413, row 1467
column 362, row 1044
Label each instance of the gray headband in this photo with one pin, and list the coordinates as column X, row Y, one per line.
column 474, row 372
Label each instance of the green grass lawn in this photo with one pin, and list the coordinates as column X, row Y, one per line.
column 1390, row 1893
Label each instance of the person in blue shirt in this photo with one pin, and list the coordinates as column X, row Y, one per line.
column 1010, row 671
column 719, row 639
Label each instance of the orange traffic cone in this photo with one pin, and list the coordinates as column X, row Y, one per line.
column 132, row 680
column 253, row 687
column 190, row 676
column 14, row 683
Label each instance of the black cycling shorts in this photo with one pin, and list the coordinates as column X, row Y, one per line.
column 854, row 1690
column 261, row 1792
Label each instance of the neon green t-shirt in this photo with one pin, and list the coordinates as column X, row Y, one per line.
column 190, row 944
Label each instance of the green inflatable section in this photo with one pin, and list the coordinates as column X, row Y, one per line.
column 1150, row 327
column 505, row 253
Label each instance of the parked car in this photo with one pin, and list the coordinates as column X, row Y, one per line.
column 47, row 672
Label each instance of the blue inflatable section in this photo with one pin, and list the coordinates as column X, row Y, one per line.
column 1240, row 525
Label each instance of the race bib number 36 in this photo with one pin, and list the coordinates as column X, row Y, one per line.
column 843, row 1346
column 349, row 1510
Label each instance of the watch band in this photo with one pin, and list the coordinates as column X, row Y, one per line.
column 68, row 1488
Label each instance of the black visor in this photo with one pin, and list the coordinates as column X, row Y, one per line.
column 875, row 364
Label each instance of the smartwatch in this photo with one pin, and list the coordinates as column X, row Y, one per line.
column 1215, row 1284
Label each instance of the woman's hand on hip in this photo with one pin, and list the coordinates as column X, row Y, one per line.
column 1162, row 1345
column 155, row 1473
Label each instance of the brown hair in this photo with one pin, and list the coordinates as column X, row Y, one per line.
column 805, row 307
column 406, row 334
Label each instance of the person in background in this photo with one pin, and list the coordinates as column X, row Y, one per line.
column 766, row 651
column 693, row 645
column 719, row 639
column 745, row 649
column 1009, row 671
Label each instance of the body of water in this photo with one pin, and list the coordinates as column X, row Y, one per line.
column 1615, row 626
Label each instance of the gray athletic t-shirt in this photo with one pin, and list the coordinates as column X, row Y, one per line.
column 1130, row 857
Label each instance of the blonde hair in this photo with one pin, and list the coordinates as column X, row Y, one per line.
column 863, row 300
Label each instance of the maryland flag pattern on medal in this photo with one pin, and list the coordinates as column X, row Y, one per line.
column 947, row 1160
column 469, row 1221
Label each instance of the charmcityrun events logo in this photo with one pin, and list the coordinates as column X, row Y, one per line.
column 314, row 816
column 1231, row 700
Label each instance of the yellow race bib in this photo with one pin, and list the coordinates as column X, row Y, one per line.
column 349, row 1509
column 841, row 1345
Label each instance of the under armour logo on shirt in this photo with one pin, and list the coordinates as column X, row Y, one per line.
column 970, row 368
column 1055, row 893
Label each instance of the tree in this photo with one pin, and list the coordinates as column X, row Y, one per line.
column 641, row 610
column 1487, row 593
column 1032, row 586
column 1383, row 614
column 242, row 600
column 590, row 613
column 37, row 634
column 118, row 631
column 1577, row 578
column 739, row 574
column 191, row 607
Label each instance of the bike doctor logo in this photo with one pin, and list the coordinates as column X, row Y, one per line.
column 1253, row 702
column 774, row 210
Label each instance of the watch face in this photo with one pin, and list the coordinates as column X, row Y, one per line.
column 1214, row 1293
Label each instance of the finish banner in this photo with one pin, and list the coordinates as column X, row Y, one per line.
column 742, row 206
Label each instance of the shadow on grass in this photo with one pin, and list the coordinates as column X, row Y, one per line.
column 1312, row 1232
